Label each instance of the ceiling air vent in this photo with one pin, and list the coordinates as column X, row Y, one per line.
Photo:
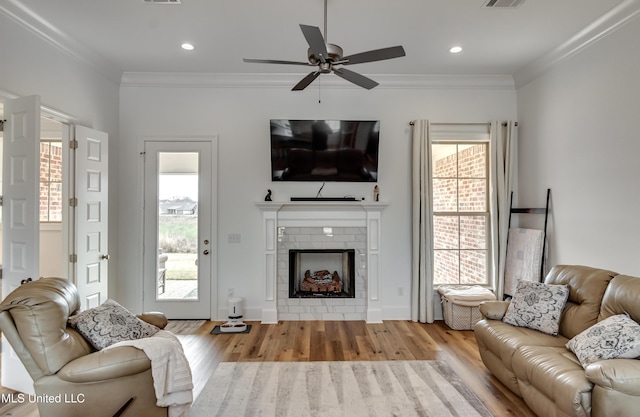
column 503, row 3
column 163, row 1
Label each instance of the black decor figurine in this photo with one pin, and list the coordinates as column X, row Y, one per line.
column 268, row 196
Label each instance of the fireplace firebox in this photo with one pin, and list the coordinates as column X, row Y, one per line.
column 321, row 273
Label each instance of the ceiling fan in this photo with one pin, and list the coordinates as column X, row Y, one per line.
column 327, row 57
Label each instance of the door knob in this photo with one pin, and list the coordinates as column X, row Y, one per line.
column 205, row 252
column 105, row 257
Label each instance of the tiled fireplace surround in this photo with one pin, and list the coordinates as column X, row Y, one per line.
column 303, row 225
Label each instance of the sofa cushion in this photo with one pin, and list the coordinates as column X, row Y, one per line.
column 550, row 379
column 621, row 297
column 110, row 323
column 587, row 286
column 537, row 306
column 499, row 341
column 614, row 337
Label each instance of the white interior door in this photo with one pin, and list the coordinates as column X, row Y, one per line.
column 20, row 215
column 91, row 237
column 179, row 243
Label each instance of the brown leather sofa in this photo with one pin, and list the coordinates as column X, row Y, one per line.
column 548, row 376
column 34, row 320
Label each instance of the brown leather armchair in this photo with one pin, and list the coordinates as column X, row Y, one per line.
column 33, row 318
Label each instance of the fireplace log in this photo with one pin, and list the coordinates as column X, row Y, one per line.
column 321, row 281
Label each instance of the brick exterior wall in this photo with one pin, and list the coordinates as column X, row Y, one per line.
column 50, row 182
column 460, row 185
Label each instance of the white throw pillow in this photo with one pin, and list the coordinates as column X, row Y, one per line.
column 614, row 337
column 110, row 323
column 537, row 306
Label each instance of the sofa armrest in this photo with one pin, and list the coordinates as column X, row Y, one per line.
column 155, row 318
column 494, row 310
column 105, row 364
column 622, row 375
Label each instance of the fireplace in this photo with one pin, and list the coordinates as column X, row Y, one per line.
column 321, row 273
column 305, row 225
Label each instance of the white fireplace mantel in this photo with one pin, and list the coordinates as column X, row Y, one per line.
column 320, row 214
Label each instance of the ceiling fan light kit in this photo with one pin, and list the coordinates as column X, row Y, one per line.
column 328, row 58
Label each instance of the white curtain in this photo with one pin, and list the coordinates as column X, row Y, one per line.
column 422, row 225
column 504, row 163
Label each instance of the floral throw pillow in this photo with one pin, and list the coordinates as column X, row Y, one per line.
column 110, row 323
column 614, row 337
column 537, row 306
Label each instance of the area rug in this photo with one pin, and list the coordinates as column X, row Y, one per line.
column 336, row 389
column 184, row 326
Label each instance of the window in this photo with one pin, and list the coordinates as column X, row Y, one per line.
column 50, row 180
column 461, row 232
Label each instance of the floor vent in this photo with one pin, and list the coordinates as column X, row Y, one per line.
column 503, row 3
column 163, row 1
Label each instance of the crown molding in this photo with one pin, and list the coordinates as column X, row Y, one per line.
column 33, row 22
column 263, row 80
column 606, row 24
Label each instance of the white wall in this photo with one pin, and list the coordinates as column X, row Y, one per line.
column 579, row 136
column 52, row 262
column 240, row 116
column 30, row 65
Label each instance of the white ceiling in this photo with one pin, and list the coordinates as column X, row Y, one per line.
column 134, row 36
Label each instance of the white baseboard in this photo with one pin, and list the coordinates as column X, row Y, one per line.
column 396, row 313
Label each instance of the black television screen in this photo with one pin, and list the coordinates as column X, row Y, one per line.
column 324, row 150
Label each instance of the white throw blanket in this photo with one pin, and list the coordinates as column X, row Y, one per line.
column 170, row 370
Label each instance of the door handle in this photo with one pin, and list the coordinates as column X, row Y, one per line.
column 205, row 252
column 105, row 257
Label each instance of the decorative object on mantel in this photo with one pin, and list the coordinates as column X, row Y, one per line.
column 268, row 196
column 376, row 193
column 327, row 57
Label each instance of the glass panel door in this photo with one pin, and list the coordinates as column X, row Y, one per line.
column 178, row 244
column 177, row 225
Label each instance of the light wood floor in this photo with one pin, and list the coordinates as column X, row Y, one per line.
column 340, row 341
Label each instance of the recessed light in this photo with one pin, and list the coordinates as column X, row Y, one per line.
column 456, row 49
column 187, row 46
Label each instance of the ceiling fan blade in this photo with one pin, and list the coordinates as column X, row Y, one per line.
column 273, row 61
column 315, row 40
column 306, row 81
column 374, row 55
column 355, row 78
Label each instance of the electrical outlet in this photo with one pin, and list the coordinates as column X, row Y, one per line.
column 230, row 292
column 233, row 238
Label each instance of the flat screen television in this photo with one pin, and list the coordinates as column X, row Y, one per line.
column 324, row 150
